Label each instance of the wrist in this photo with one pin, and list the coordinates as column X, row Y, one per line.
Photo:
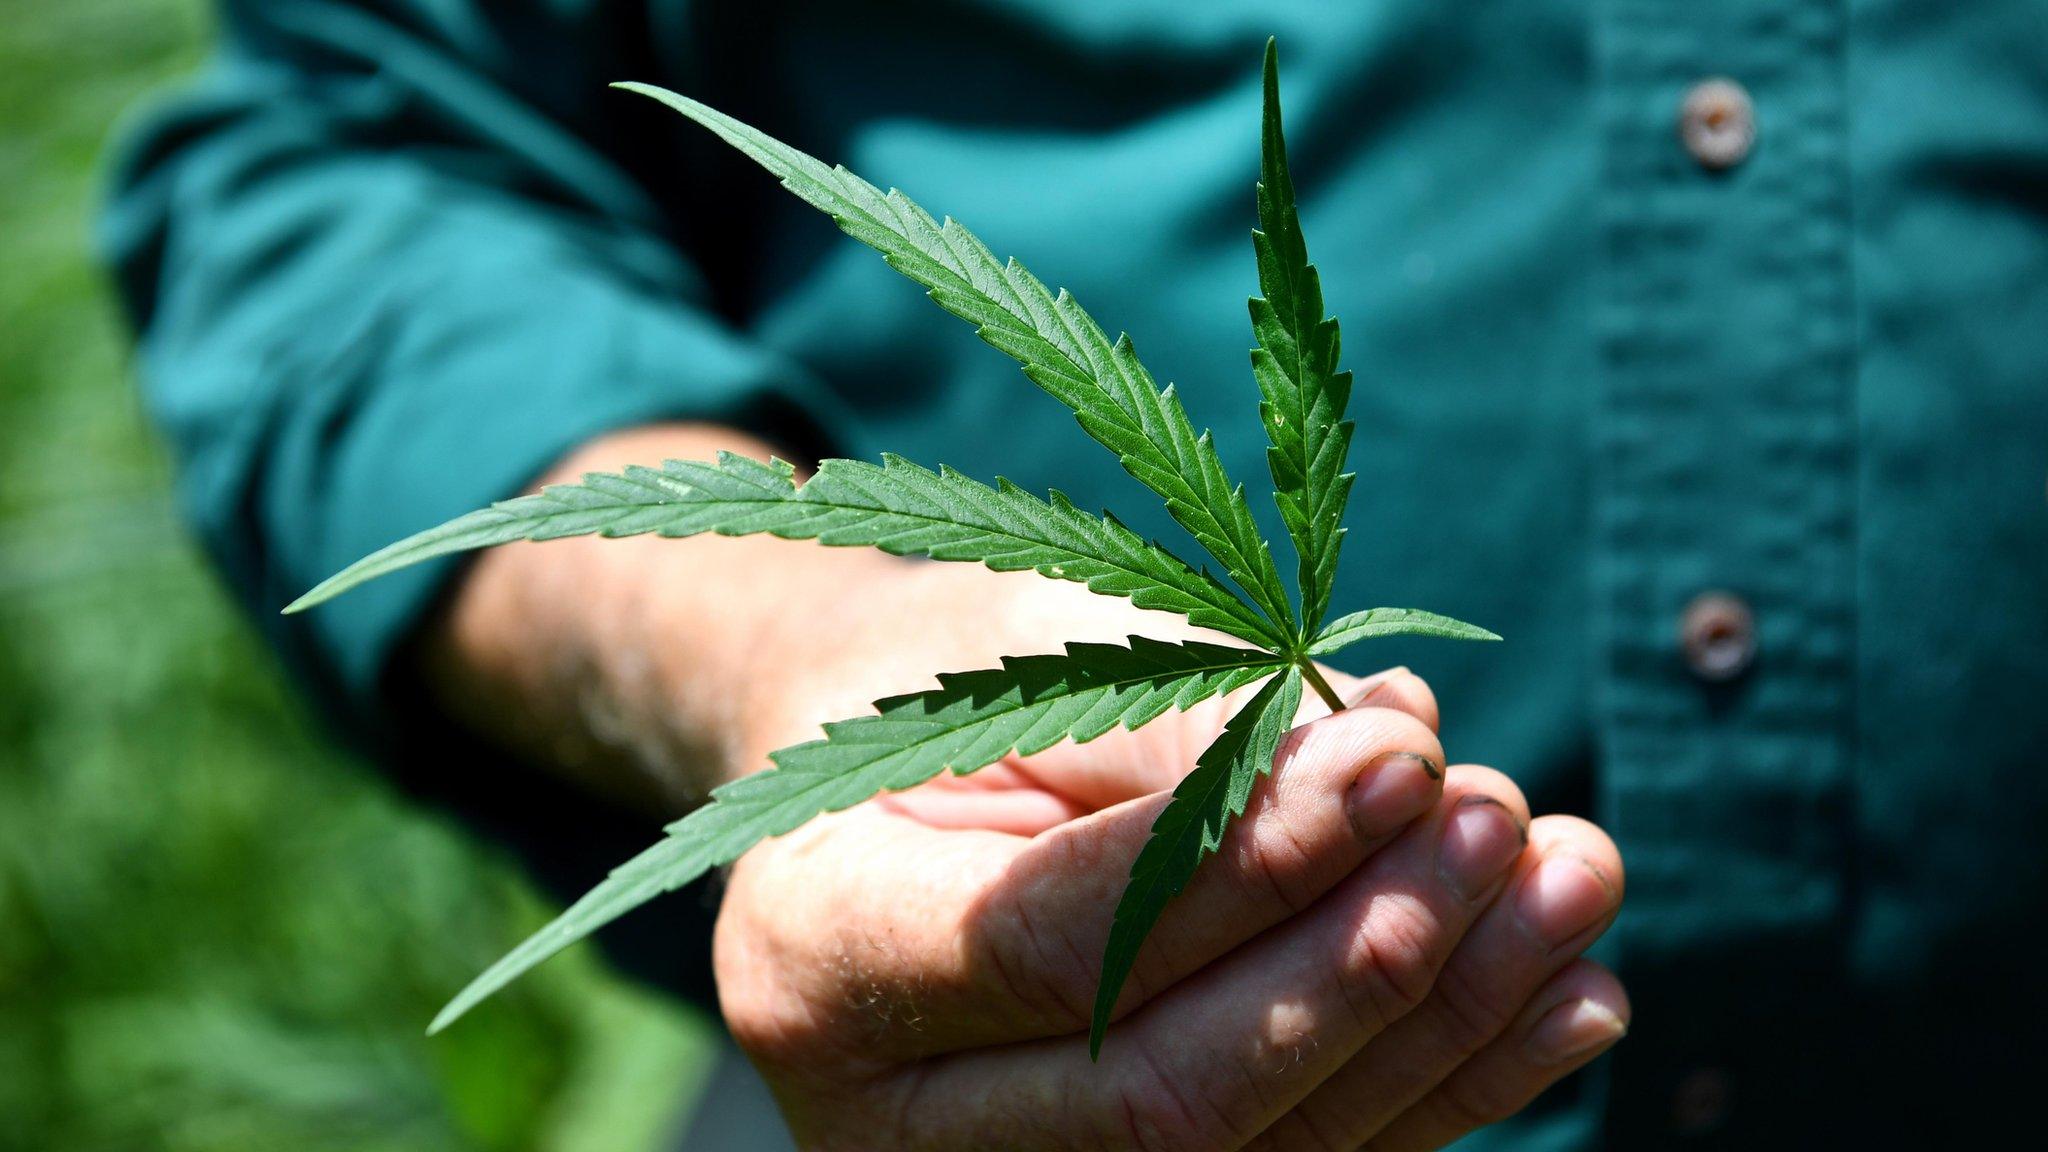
column 596, row 657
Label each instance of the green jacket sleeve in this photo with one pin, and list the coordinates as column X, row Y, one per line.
column 379, row 283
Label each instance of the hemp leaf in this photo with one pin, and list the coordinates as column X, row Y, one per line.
column 896, row 506
column 1060, row 347
column 1030, row 703
column 1296, row 367
column 972, row 720
column 1190, row 827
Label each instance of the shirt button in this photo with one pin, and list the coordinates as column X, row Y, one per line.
column 1718, row 633
column 1702, row 1101
column 1717, row 123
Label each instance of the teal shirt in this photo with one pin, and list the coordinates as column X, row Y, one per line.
column 390, row 259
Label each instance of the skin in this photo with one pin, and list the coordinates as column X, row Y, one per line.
column 1384, row 954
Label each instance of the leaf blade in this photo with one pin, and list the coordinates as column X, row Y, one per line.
column 1303, row 395
column 895, row 506
column 971, row 720
column 1374, row 622
column 601, row 506
column 1189, row 829
column 1060, row 347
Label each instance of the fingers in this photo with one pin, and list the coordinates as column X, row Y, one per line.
column 1219, row 1057
column 1395, row 688
column 921, row 941
column 1578, row 1015
column 1342, row 788
column 1565, row 891
column 1124, row 765
column 1402, row 690
column 1009, row 947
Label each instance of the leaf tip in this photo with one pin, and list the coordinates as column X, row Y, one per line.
column 446, row 1016
column 1105, row 1006
column 319, row 594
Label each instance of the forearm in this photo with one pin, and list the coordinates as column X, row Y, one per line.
column 648, row 667
column 657, row 669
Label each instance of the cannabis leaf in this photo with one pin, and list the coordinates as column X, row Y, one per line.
column 1060, row 347
column 1345, row 631
column 897, row 506
column 1296, row 367
column 1302, row 406
column 975, row 718
column 970, row 721
column 1191, row 827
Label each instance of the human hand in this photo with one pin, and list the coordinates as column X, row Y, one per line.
column 1376, row 957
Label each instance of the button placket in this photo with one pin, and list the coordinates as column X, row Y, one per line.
column 1723, row 461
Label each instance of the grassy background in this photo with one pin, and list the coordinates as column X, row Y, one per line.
column 217, row 933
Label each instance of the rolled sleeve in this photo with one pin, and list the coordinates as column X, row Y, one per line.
column 371, row 301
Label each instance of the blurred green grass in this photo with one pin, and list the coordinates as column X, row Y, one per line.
column 216, row 932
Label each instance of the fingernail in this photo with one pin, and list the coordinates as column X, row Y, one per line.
column 1372, row 687
column 1394, row 789
column 1574, row 1029
column 1480, row 840
column 1561, row 898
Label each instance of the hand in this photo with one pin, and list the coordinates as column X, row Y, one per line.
column 1375, row 958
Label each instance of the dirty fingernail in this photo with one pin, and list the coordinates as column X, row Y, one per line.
column 1480, row 840
column 1561, row 898
column 1392, row 790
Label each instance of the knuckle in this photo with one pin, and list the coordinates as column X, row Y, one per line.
column 1469, row 1012
column 1154, row 1113
column 774, row 1035
column 1035, row 953
column 767, row 1016
column 1475, row 1102
column 1276, row 862
column 1305, row 1130
column 1396, row 958
column 1037, row 965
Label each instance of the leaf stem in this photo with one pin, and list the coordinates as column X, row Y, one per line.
column 1322, row 686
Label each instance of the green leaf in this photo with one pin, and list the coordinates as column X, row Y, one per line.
column 970, row 721
column 895, row 506
column 1345, row 631
column 1190, row 828
column 1296, row 365
column 1059, row 346
column 682, row 498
